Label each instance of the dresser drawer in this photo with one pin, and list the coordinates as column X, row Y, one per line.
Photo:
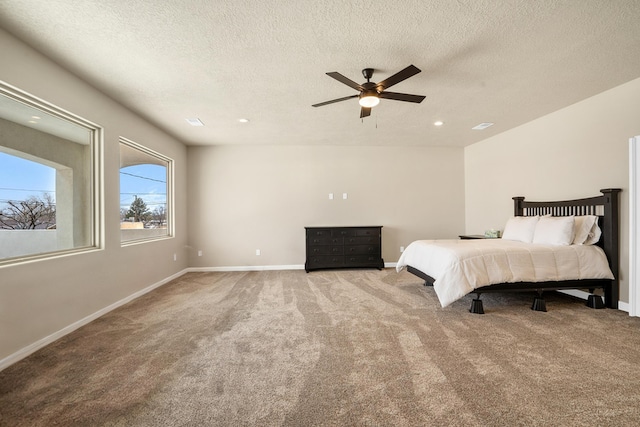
column 362, row 240
column 325, row 250
column 361, row 249
column 368, row 232
column 314, row 262
column 344, row 232
column 362, row 261
column 324, row 240
column 318, row 232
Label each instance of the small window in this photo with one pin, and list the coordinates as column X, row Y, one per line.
column 50, row 173
column 145, row 194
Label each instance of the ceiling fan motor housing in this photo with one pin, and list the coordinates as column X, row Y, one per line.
column 369, row 89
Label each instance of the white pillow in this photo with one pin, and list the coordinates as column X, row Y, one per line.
column 584, row 225
column 594, row 235
column 555, row 230
column 587, row 230
column 520, row 228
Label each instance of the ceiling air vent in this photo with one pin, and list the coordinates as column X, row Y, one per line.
column 482, row 126
column 195, row 122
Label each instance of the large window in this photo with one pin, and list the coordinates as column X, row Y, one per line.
column 146, row 210
column 50, row 180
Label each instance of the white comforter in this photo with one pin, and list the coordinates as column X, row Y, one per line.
column 460, row 266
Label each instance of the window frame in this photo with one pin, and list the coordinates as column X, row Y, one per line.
column 95, row 216
column 170, row 208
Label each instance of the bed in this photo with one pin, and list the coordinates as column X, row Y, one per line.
column 546, row 259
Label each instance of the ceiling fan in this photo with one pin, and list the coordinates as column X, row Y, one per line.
column 370, row 93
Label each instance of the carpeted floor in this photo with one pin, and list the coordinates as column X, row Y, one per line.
column 333, row 348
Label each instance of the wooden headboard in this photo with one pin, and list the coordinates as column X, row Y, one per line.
column 604, row 206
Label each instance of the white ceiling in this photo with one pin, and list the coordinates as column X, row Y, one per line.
column 507, row 62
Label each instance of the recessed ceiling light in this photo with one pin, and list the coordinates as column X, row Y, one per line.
column 243, row 120
column 482, row 126
column 438, row 123
column 195, row 122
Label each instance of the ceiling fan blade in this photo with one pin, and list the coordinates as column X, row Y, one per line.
column 342, row 79
column 365, row 112
column 335, row 100
column 411, row 70
column 402, row 97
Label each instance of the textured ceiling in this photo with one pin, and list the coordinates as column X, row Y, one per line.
column 502, row 61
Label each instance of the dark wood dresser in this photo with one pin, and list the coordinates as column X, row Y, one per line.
column 344, row 247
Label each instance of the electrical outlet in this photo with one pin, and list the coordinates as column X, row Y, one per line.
column 330, row 196
column 199, row 253
column 257, row 251
column 344, row 196
column 175, row 257
column 401, row 249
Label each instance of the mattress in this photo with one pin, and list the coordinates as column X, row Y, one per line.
column 460, row 266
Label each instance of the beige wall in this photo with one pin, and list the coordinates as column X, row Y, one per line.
column 571, row 153
column 255, row 197
column 40, row 298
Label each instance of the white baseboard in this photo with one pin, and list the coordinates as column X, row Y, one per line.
column 623, row 306
column 245, row 268
column 32, row 348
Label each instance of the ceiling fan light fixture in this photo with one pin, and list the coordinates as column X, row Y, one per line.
column 369, row 99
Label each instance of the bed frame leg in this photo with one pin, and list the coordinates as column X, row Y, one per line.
column 539, row 304
column 595, row 301
column 476, row 306
column 427, row 283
